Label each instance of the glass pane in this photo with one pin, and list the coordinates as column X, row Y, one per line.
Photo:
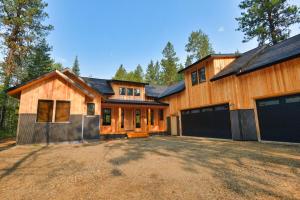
column 122, row 91
column 137, row 92
column 91, row 109
column 202, row 76
column 269, row 102
column 194, row 78
column 129, row 91
column 294, row 99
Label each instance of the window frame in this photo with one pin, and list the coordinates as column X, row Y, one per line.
column 194, row 81
column 69, row 113
column 87, row 109
column 122, row 117
column 104, row 123
column 138, row 113
column 127, row 92
column 135, row 92
column 202, row 71
column 51, row 111
column 121, row 90
column 161, row 114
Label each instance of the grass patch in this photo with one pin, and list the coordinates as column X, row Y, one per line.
column 7, row 134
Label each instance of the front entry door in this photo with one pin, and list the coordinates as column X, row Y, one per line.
column 129, row 122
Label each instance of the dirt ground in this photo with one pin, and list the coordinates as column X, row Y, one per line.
column 151, row 168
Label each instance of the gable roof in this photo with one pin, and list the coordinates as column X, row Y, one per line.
column 229, row 55
column 17, row 89
column 262, row 57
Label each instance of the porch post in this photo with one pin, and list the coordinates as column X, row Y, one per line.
column 149, row 119
column 119, row 119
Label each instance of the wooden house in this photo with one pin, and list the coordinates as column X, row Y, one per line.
column 249, row 96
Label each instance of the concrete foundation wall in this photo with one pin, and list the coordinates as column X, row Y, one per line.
column 30, row 132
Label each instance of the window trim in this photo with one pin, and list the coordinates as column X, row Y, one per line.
column 37, row 111
column 199, row 74
column 161, row 114
column 127, row 92
column 120, row 89
column 87, row 110
column 55, row 109
column 103, row 116
column 196, row 80
column 138, row 112
column 134, row 92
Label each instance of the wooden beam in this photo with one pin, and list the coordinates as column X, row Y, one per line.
column 149, row 119
column 119, row 118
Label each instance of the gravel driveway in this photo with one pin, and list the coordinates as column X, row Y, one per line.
column 152, row 168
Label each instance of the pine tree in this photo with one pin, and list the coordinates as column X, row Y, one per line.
column 138, row 74
column 21, row 27
column 57, row 66
column 152, row 73
column 188, row 61
column 268, row 20
column 75, row 67
column 121, row 73
column 169, row 65
column 180, row 76
column 39, row 61
column 198, row 45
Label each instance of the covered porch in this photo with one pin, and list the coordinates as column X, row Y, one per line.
column 132, row 118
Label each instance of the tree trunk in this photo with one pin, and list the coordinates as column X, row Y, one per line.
column 7, row 80
column 272, row 28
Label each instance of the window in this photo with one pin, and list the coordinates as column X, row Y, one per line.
column 270, row 102
column 129, row 91
column 62, row 111
column 194, row 78
column 122, row 118
column 106, row 113
column 161, row 114
column 90, row 109
column 138, row 118
column 45, row 111
column 151, row 117
column 137, row 92
column 122, row 91
column 202, row 76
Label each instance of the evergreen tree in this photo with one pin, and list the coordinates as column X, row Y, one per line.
column 121, row 73
column 188, row 61
column 198, row 45
column 268, row 20
column 169, row 65
column 152, row 73
column 75, row 67
column 130, row 76
column 39, row 61
column 180, row 76
column 138, row 74
column 57, row 66
column 21, row 26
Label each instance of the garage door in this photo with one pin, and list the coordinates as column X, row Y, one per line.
column 207, row 122
column 279, row 118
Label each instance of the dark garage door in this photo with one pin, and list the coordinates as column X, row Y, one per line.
column 279, row 118
column 207, row 122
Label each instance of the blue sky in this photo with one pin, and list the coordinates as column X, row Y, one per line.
column 105, row 34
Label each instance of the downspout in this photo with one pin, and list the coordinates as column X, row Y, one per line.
column 82, row 126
